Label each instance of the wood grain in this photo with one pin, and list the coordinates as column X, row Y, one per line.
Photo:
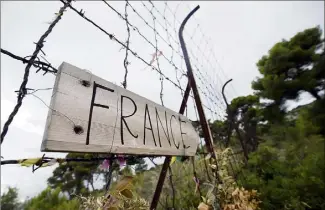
column 148, row 128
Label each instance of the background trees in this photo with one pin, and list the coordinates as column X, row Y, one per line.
column 283, row 149
column 9, row 199
column 290, row 68
column 288, row 166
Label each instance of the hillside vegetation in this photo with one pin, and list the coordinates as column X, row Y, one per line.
column 281, row 165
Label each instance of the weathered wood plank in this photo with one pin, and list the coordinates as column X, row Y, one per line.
column 113, row 120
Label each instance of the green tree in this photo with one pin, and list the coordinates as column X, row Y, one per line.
column 219, row 130
column 141, row 166
column 288, row 168
column 74, row 177
column 77, row 178
column 126, row 171
column 246, row 115
column 290, row 68
column 9, row 200
column 51, row 199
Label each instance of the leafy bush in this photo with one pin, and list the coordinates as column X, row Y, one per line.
column 224, row 192
column 121, row 197
column 51, row 200
column 288, row 169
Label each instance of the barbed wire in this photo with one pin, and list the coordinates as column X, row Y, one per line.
column 211, row 93
column 200, row 76
column 156, row 33
column 176, row 41
column 126, row 62
column 22, row 90
column 212, row 103
column 114, row 38
column 156, row 54
column 199, row 28
column 208, row 83
column 39, row 65
column 138, row 31
column 193, row 56
column 49, row 161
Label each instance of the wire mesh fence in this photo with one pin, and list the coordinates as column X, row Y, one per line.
column 144, row 39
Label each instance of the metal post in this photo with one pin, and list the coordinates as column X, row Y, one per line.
column 232, row 124
column 205, row 127
column 165, row 166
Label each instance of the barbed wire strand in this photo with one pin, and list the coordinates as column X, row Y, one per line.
column 40, row 65
column 156, row 54
column 197, row 46
column 169, row 44
column 93, row 159
column 112, row 37
column 170, row 37
column 22, row 89
column 178, row 53
column 208, row 85
column 126, row 62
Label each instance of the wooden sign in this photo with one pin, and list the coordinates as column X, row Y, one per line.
column 90, row 114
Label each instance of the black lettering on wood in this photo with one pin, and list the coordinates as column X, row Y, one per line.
column 92, row 104
column 123, row 122
column 166, row 133
column 171, row 130
column 180, row 127
column 145, row 122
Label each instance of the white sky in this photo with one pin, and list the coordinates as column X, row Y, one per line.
column 239, row 33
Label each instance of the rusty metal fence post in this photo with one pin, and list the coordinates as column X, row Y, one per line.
column 203, row 121
column 205, row 127
column 167, row 160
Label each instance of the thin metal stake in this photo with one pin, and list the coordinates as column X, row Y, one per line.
column 166, row 164
column 205, row 127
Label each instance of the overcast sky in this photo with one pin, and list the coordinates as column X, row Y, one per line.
column 239, row 34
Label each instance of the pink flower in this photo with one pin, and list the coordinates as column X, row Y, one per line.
column 105, row 165
column 121, row 160
column 155, row 56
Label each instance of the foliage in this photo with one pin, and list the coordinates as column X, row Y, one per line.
column 71, row 177
column 291, row 67
column 317, row 115
column 226, row 194
column 179, row 188
column 141, row 166
column 245, row 114
column 52, row 200
column 145, row 183
column 288, row 168
column 77, row 178
column 9, row 200
column 121, row 197
column 219, row 131
column 243, row 200
column 283, row 150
